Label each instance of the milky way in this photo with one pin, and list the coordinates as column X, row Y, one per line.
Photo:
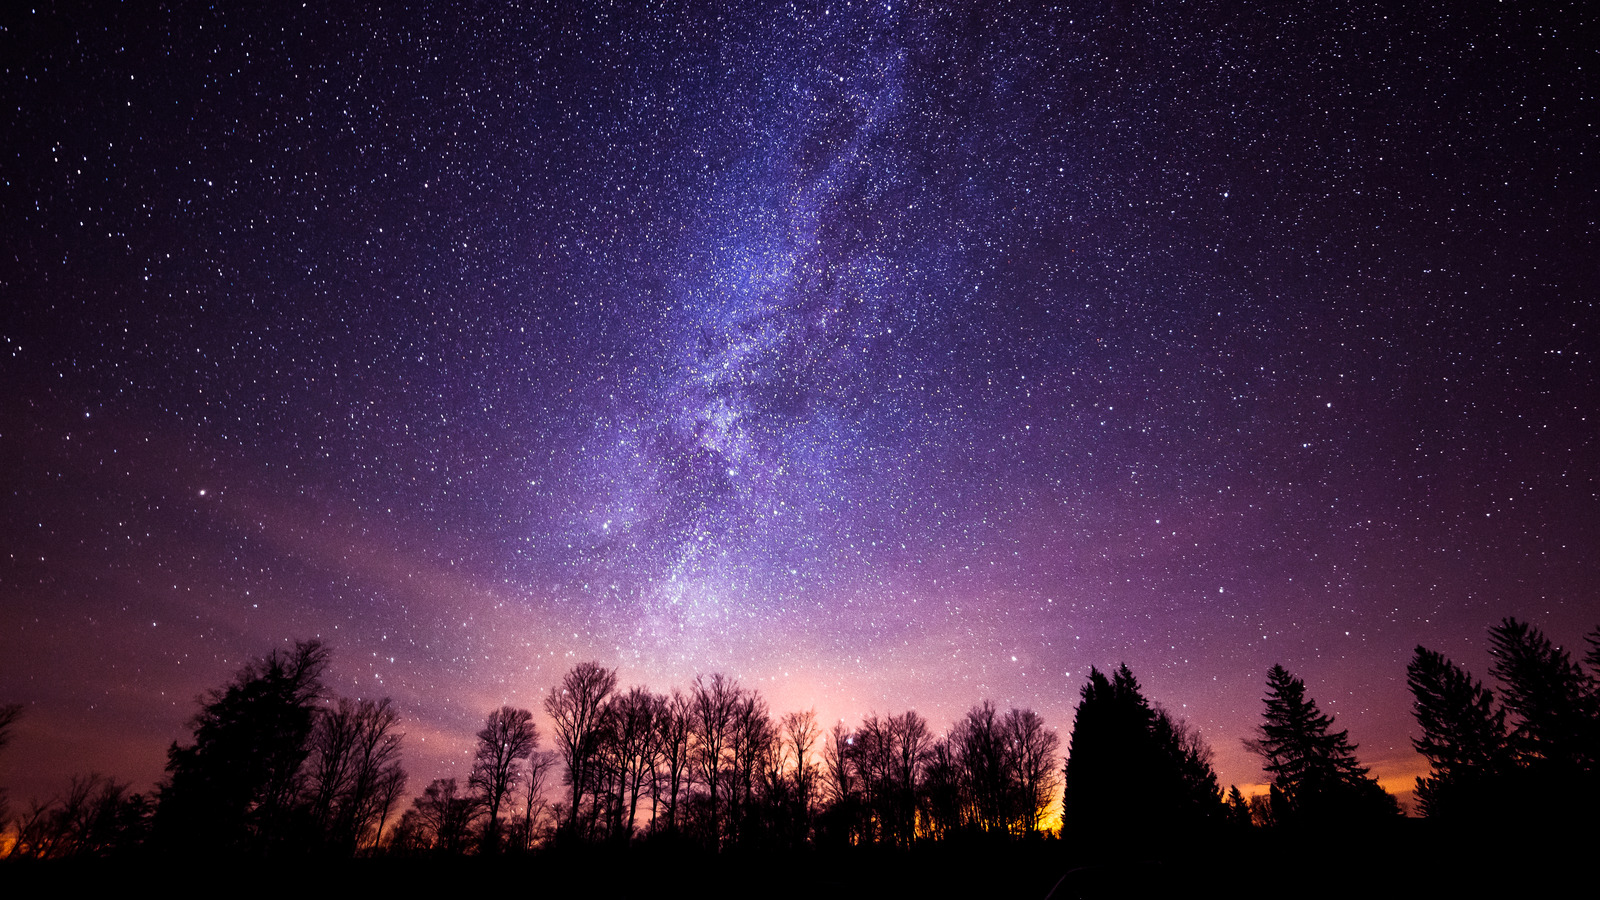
column 878, row 355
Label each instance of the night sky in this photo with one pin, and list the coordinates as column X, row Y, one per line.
column 878, row 355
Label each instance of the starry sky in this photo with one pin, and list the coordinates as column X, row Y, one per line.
column 880, row 355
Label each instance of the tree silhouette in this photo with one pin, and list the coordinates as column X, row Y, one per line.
column 873, row 756
column 235, row 788
column 676, row 727
column 355, row 776
column 534, row 803
column 752, row 739
column 985, row 758
column 1189, row 779
column 508, row 737
column 844, row 813
column 716, row 702
column 1109, row 752
column 577, row 709
column 800, row 733
column 1238, row 808
column 1316, row 778
column 1463, row 736
column 944, row 791
column 785, row 783
column 444, row 817
column 1034, row 749
column 1533, row 756
column 640, row 727
column 1551, row 701
column 9, row 714
column 889, row 755
column 1132, row 766
column 97, row 816
column 911, row 743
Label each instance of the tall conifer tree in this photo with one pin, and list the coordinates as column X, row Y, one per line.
column 1316, row 777
column 1132, row 766
column 1554, row 705
column 1463, row 735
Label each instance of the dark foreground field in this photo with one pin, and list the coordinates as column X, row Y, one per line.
column 1406, row 861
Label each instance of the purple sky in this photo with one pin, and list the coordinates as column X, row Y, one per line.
column 877, row 356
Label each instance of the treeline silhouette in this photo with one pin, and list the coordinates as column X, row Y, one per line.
column 278, row 768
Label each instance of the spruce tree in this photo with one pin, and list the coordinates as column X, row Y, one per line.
column 1109, row 754
column 1316, row 778
column 1132, row 766
column 1553, row 709
column 1552, row 701
column 1463, row 737
column 1238, row 808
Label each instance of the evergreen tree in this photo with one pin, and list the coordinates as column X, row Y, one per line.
column 1552, row 702
column 1463, row 736
column 1131, row 766
column 1189, row 781
column 1316, row 777
column 1553, row 707
column 1108, row 754
column 1238, row 808
column 235, row 789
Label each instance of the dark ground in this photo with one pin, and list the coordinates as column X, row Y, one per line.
column 1408, row 860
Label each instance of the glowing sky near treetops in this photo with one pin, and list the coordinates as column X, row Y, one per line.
column 881, row 356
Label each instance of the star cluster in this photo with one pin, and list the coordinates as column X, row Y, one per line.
column 880, row 355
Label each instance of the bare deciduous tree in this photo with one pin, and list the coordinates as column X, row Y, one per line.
column 391, row 787
column 751, row 740
column 9, row 714
column 577, row 708
column 534, row 803
column 95, row 817
column 844, row 816
column 676, row 728
column 944, row 790
column 355, row 772
column 508, row 737
column 1033, row 750
column 635, row 717
column 800, row 733
column 980, row 740
column 715, row 701
column 445, row 817
column 873, row 755
column 838, row 782
column 911, row 743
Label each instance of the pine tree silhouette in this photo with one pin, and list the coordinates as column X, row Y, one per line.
column 1463, row 736
column 1316, row 778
